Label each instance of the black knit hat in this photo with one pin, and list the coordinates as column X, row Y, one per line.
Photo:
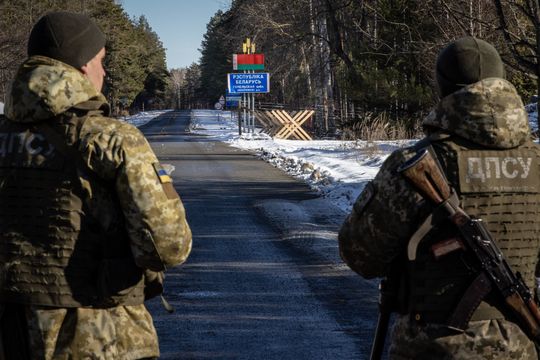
column 466, row 61
column 71, row 38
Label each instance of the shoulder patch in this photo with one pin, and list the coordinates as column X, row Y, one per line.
column 166, row 181
column 364, row 198
column 162, row 174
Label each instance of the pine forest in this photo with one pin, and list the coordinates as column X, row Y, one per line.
column 365, row 66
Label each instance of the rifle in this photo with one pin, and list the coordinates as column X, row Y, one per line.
column 424, row 173
column 387, row 298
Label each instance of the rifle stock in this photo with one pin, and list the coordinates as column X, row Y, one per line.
column 523, row 310
column 428, row 179
column 425, row 175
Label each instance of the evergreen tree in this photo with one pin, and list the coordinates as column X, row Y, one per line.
column 135, row 61
column 216, row 60
column 153, row 62
column 123, row 62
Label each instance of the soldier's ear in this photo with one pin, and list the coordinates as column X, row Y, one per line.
column 84, row 69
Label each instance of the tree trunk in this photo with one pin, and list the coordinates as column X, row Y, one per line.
column 537, row 25
column 326, row 74
column 307, row 66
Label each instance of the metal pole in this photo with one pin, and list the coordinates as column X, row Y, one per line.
column 245, row 124
column 247, row 113
column 250, row 114
column 253, row 112
column 239, row 118
column 252, row 97
column 244, row 111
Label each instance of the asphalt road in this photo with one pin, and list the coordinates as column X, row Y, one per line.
column 249, row 290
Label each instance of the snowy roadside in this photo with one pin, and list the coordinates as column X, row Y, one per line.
column 337, row 170
column 143, row 117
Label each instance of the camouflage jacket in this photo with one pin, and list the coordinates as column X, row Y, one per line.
column 488, row 113
column 114, row 150
column 485, row 116
column 148, row 207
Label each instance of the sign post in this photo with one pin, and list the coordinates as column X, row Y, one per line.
column 248, row 83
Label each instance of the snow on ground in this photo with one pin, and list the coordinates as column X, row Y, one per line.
column 533, row 116
column 337, row 170
column 143, row 117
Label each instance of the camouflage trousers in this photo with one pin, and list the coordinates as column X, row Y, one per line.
column 32, row 332
column 483, row 340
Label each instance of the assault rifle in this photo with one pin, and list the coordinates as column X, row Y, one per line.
column 494, row 272
column 387, row 304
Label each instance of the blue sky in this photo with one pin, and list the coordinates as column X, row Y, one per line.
column 180, row 24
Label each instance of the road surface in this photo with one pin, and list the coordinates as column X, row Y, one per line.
column 248, row 290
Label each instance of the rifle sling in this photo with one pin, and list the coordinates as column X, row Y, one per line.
column 470, row 301
column 431, row 221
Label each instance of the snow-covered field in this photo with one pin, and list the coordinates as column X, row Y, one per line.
column 338, row 170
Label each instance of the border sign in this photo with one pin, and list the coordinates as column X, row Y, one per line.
column 248, row 83
column 248, row 61
column 232, row 100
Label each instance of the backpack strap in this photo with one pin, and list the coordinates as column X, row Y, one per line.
column 82, row 112
column 68, row 151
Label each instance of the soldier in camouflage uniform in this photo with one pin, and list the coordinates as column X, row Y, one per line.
column 88, row 218
column 480, row 134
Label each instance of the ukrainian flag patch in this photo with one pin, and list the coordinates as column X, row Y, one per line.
column 164, row 178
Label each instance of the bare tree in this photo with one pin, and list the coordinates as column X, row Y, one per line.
column 178, row 81
column 520, row 25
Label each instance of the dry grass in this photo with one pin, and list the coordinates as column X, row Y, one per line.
column 369, row 148
column 380, row 127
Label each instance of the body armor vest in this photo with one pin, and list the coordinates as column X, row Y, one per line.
column 502, row 187
column 52, row 251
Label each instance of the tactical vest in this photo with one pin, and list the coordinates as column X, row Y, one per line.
column 53, row 252
column 502, row 187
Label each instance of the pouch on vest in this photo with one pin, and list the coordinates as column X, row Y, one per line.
column 119, row 280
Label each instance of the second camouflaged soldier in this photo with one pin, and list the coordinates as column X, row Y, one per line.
column 87, row 215
column 480, row 134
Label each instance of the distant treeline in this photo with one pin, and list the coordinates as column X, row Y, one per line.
column 137, row 75
column 357, row 61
